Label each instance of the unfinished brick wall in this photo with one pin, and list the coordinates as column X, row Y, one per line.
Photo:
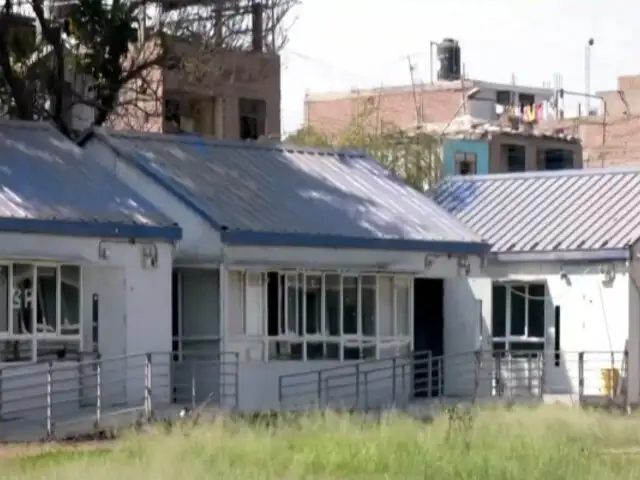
column 395, row 107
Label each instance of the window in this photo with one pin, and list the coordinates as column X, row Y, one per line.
column 515, row 156
column 526, row 100
column 557, row 159
column 518, row 320
column 253, row 114
column 42, row 318
column 465, row 163
column 323, row 315
column 503, row 97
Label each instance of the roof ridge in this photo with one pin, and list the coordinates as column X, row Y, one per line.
column 217, row 142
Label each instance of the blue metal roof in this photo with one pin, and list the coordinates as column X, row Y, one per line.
column 47, row 185
column 555, row 215
column 276, row 195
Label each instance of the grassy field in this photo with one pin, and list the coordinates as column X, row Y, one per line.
column 544, row 443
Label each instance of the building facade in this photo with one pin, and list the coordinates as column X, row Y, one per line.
column 80, row 257
column 561, row 287
column 294, row 259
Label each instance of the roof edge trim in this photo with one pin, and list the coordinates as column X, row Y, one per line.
column 274, row 239
column 89, row 229
column 563, row 256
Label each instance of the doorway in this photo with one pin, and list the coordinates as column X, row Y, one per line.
column 428, row 335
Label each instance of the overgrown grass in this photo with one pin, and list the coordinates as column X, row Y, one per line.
column 524, row 443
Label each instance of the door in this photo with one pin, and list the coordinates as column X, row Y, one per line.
column 428, row 333
column 196, row 369
column 104, row 313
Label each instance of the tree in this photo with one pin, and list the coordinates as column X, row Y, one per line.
column 108, row 58
column 414, row 156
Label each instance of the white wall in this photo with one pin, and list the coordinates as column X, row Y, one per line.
column 135, row 302
column 594, row 318
column 200, row 242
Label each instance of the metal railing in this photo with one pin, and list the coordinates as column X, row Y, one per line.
column 581, row 377
column 57, row 398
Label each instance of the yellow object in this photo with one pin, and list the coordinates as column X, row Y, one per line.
column 610, row 379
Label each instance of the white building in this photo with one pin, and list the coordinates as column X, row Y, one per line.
column 81, row 255
column 296, row 259
column 564, row 278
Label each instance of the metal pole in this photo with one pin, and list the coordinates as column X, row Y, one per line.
column 98, row 390
column 587, row 75
column 193, row 384
column 50, row 399
column 147, row 386
column 580, row 378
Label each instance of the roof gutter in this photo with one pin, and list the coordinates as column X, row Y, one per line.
column 603, row 255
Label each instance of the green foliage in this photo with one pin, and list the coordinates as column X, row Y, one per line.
column 413, row 156
column 544, row 443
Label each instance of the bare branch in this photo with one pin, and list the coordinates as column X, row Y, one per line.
column 92, row 63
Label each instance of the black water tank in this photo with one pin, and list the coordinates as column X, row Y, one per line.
column 449, row 58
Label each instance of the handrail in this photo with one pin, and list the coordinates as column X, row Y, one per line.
column 472, row 374
column 49, row 398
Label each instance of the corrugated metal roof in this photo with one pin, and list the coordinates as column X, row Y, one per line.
column 566, row 212
column 268, row 194
column 48, row 186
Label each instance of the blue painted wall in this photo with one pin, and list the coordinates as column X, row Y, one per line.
column 479, row 147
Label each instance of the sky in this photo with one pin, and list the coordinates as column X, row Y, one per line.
column 344, row 44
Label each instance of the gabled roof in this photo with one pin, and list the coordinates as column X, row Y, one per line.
column 268, row 194
column 47, row 185
column 555, row 215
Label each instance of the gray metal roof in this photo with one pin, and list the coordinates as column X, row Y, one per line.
column 48, row 186
column 271, row 194
column 564, row 214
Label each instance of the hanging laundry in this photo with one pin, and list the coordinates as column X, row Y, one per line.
column 539, row 112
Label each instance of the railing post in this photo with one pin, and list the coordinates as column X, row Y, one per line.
column 237, row 380
column 429, row 374
column 580, row 378
column 98, row 365
column 542, row 365
column 393, row 381
column 50, row 399
column 357, row 384
column 612, row 390
column 147, row 385
column 476, row 373
column 440, row 377
column 366, row 390
column 497, row 374
column 1, row 393
column 193, row 384
column 319, row 392
column 627, row 405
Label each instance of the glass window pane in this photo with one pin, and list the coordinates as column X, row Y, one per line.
column 47, row 304
column 499, row 316
column 385, row 307
column 292, row 304
column 350, row 305
column 536, row 311
column 314, row 304
column 403, row 305
column 332, row 303
column 369, row 305
column 4, row 299
column 518, row 299
column 22, row 299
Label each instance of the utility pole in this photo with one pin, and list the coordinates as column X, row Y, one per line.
column 419, row 113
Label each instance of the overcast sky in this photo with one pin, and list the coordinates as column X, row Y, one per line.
column 340, row 44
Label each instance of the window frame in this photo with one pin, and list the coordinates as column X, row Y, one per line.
column 468, row 158
column 37, row 336
column 508, row 340
column 373, row 345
